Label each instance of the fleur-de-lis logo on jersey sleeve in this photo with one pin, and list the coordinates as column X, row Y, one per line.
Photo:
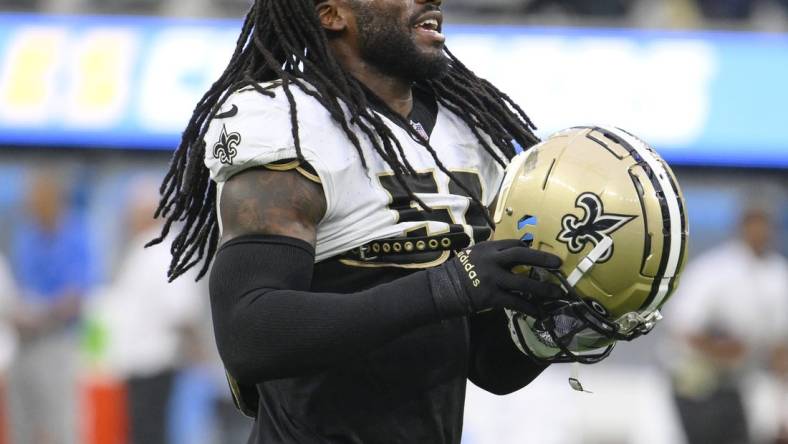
column 595, row 225
column 225, row 149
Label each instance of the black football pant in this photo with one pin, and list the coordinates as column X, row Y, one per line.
column 716, row 419
column 148, row 402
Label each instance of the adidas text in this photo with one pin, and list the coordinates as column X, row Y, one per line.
column 468, row 266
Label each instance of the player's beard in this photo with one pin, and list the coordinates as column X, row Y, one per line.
column 388, row 44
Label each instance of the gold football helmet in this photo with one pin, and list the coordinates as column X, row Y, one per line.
column 611, row 208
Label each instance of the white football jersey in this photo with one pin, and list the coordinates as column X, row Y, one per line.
column 362, row 204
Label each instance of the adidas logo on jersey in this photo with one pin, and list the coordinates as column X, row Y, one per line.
column 467, row 265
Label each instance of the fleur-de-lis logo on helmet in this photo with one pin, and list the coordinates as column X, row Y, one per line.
column 592, row 228
column 226, row 148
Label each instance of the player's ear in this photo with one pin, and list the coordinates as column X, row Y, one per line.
column 333, row 15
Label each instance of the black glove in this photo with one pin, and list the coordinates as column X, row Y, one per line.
column 481, row 278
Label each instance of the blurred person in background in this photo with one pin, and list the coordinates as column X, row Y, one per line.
column 151, row 324
column 780, row 366
column 52, row 263
column 7, row 338
column 729, row 318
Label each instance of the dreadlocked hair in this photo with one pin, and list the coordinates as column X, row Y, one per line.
column 283, row 40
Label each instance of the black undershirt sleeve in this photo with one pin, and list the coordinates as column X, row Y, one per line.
column 496, row 365
column 269, row 325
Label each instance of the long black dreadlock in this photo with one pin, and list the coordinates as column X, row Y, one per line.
column 283, row 40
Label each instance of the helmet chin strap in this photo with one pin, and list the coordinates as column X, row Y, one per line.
column 646, row 324
column 590, row 260
column 630, row 321
column 582, row 268
column 574, row 379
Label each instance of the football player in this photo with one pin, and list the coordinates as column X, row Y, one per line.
column 329, row 175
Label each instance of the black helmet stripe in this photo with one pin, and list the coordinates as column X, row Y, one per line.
column 672, row 214
column 684, row 228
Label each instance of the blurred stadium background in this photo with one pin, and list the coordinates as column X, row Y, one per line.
column 94, row 94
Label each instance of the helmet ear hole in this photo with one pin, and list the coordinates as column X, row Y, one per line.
column 539, row 274
column 599, row 308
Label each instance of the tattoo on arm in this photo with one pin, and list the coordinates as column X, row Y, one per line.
column 260, row 201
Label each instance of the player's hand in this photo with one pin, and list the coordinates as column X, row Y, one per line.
column 481, row 278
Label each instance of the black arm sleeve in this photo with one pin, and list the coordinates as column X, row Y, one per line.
column 496, row 365
column 268, row 325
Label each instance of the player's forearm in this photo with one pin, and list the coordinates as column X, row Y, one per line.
column 496, row 364
column 269, row 325
column 723, row 349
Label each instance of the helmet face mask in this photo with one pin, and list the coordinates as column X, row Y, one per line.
column 610, row 207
